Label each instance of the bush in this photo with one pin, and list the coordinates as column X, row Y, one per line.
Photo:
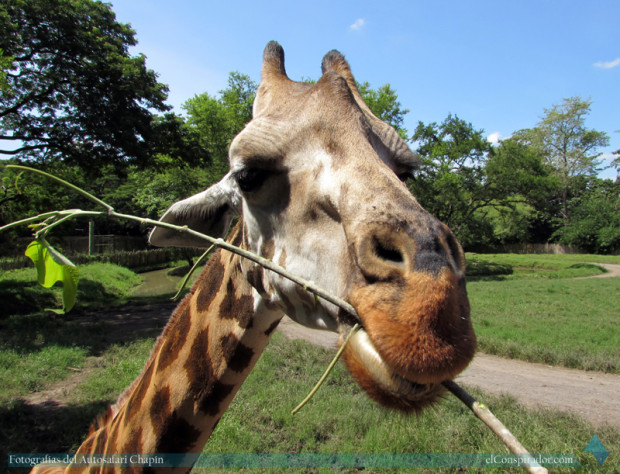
column 100, row 283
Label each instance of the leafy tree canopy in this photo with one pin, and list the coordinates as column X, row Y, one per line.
column 72, row 91
column 217, row 120
column 450, row 182
column 595, row 217
column 384, row 104
column 563, row 139
column 566, row 144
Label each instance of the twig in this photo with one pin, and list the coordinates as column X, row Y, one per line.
column 484, row 414
column 191, row 271
column 354, row 329
column 64, row 183
column 479, row 409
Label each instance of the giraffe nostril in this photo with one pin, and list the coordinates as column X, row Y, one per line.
column 387, row 252
column 384, row 254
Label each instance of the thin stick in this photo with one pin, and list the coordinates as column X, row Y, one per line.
column 484, row 414
column 477, row 408
column 200, row 260
column 29, row 220
column 329, row 369
column 64, row 183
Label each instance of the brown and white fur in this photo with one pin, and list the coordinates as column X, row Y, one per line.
column 315, row 181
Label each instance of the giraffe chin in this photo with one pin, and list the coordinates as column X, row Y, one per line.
column 420, row 327
column 417, row 334
column 380, row 382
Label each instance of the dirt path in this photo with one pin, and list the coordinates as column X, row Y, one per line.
column 613, row 270
column 591, row 395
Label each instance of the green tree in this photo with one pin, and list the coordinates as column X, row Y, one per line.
column 595, row 217
column 615, row 163
column 75, row 92
column 384, row 104
column 5, row 64
column 523, row 190
column 566, row 144
column 450, row 183
column 217, row 120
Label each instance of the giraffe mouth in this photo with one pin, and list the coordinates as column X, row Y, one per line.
column 381, row 382
column 417, row 334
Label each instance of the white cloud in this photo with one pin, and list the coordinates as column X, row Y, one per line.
column 358, row 24
column 608, row 64
column 494, row 138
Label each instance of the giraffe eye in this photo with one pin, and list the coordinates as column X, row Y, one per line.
column 250, row 179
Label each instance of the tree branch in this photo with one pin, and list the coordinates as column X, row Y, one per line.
column 24, row 148
column 479, row 409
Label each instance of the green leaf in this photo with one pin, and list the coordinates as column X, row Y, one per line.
column 53, row 267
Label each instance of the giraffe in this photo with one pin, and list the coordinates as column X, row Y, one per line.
column 316, row 181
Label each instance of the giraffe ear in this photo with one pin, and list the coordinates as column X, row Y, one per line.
column 209, row 212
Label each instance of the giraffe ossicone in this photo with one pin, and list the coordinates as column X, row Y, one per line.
column 316, row 183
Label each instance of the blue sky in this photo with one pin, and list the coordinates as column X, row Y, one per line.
column 496, row 64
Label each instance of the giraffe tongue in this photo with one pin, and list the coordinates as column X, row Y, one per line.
column 360, row 344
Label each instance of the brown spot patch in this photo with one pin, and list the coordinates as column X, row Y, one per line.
column 217, row 393
column 272, row 328
column 135, row 401
column 160, row 409
column 134, row 442
column 267, row 249
column 255, row 278
column 198, row 365
column 240, row 308
column 203, row 386
column 209, row 284
column 237, row 354
column 236, row 237
column 177, row 436
column 175, row 340
column 99, row 442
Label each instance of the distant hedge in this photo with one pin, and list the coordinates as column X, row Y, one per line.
column 130, row 259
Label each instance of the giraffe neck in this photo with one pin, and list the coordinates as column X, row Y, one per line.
column 206, row 351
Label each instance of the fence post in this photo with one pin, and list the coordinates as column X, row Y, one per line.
column 91, row 237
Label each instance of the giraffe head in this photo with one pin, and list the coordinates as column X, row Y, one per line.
column 317, row 181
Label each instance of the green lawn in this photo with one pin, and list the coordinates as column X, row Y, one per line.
column 502, row 267
column 99, row 284
column 339, row 419
column 536, row 312
column 40, row 348
column 522, row 306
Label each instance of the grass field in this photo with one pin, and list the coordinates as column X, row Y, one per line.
column 339, row 419
column 37, row 349
column 99, row 284
column 526, row 307
column 531, row 307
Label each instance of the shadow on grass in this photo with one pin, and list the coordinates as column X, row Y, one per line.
column 25, row 297
column 44, row 428
column 487, row 271
column 588, row 266
column 92, row 328
column 19, row 297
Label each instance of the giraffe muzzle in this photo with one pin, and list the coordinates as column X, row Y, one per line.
column 415, row 312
